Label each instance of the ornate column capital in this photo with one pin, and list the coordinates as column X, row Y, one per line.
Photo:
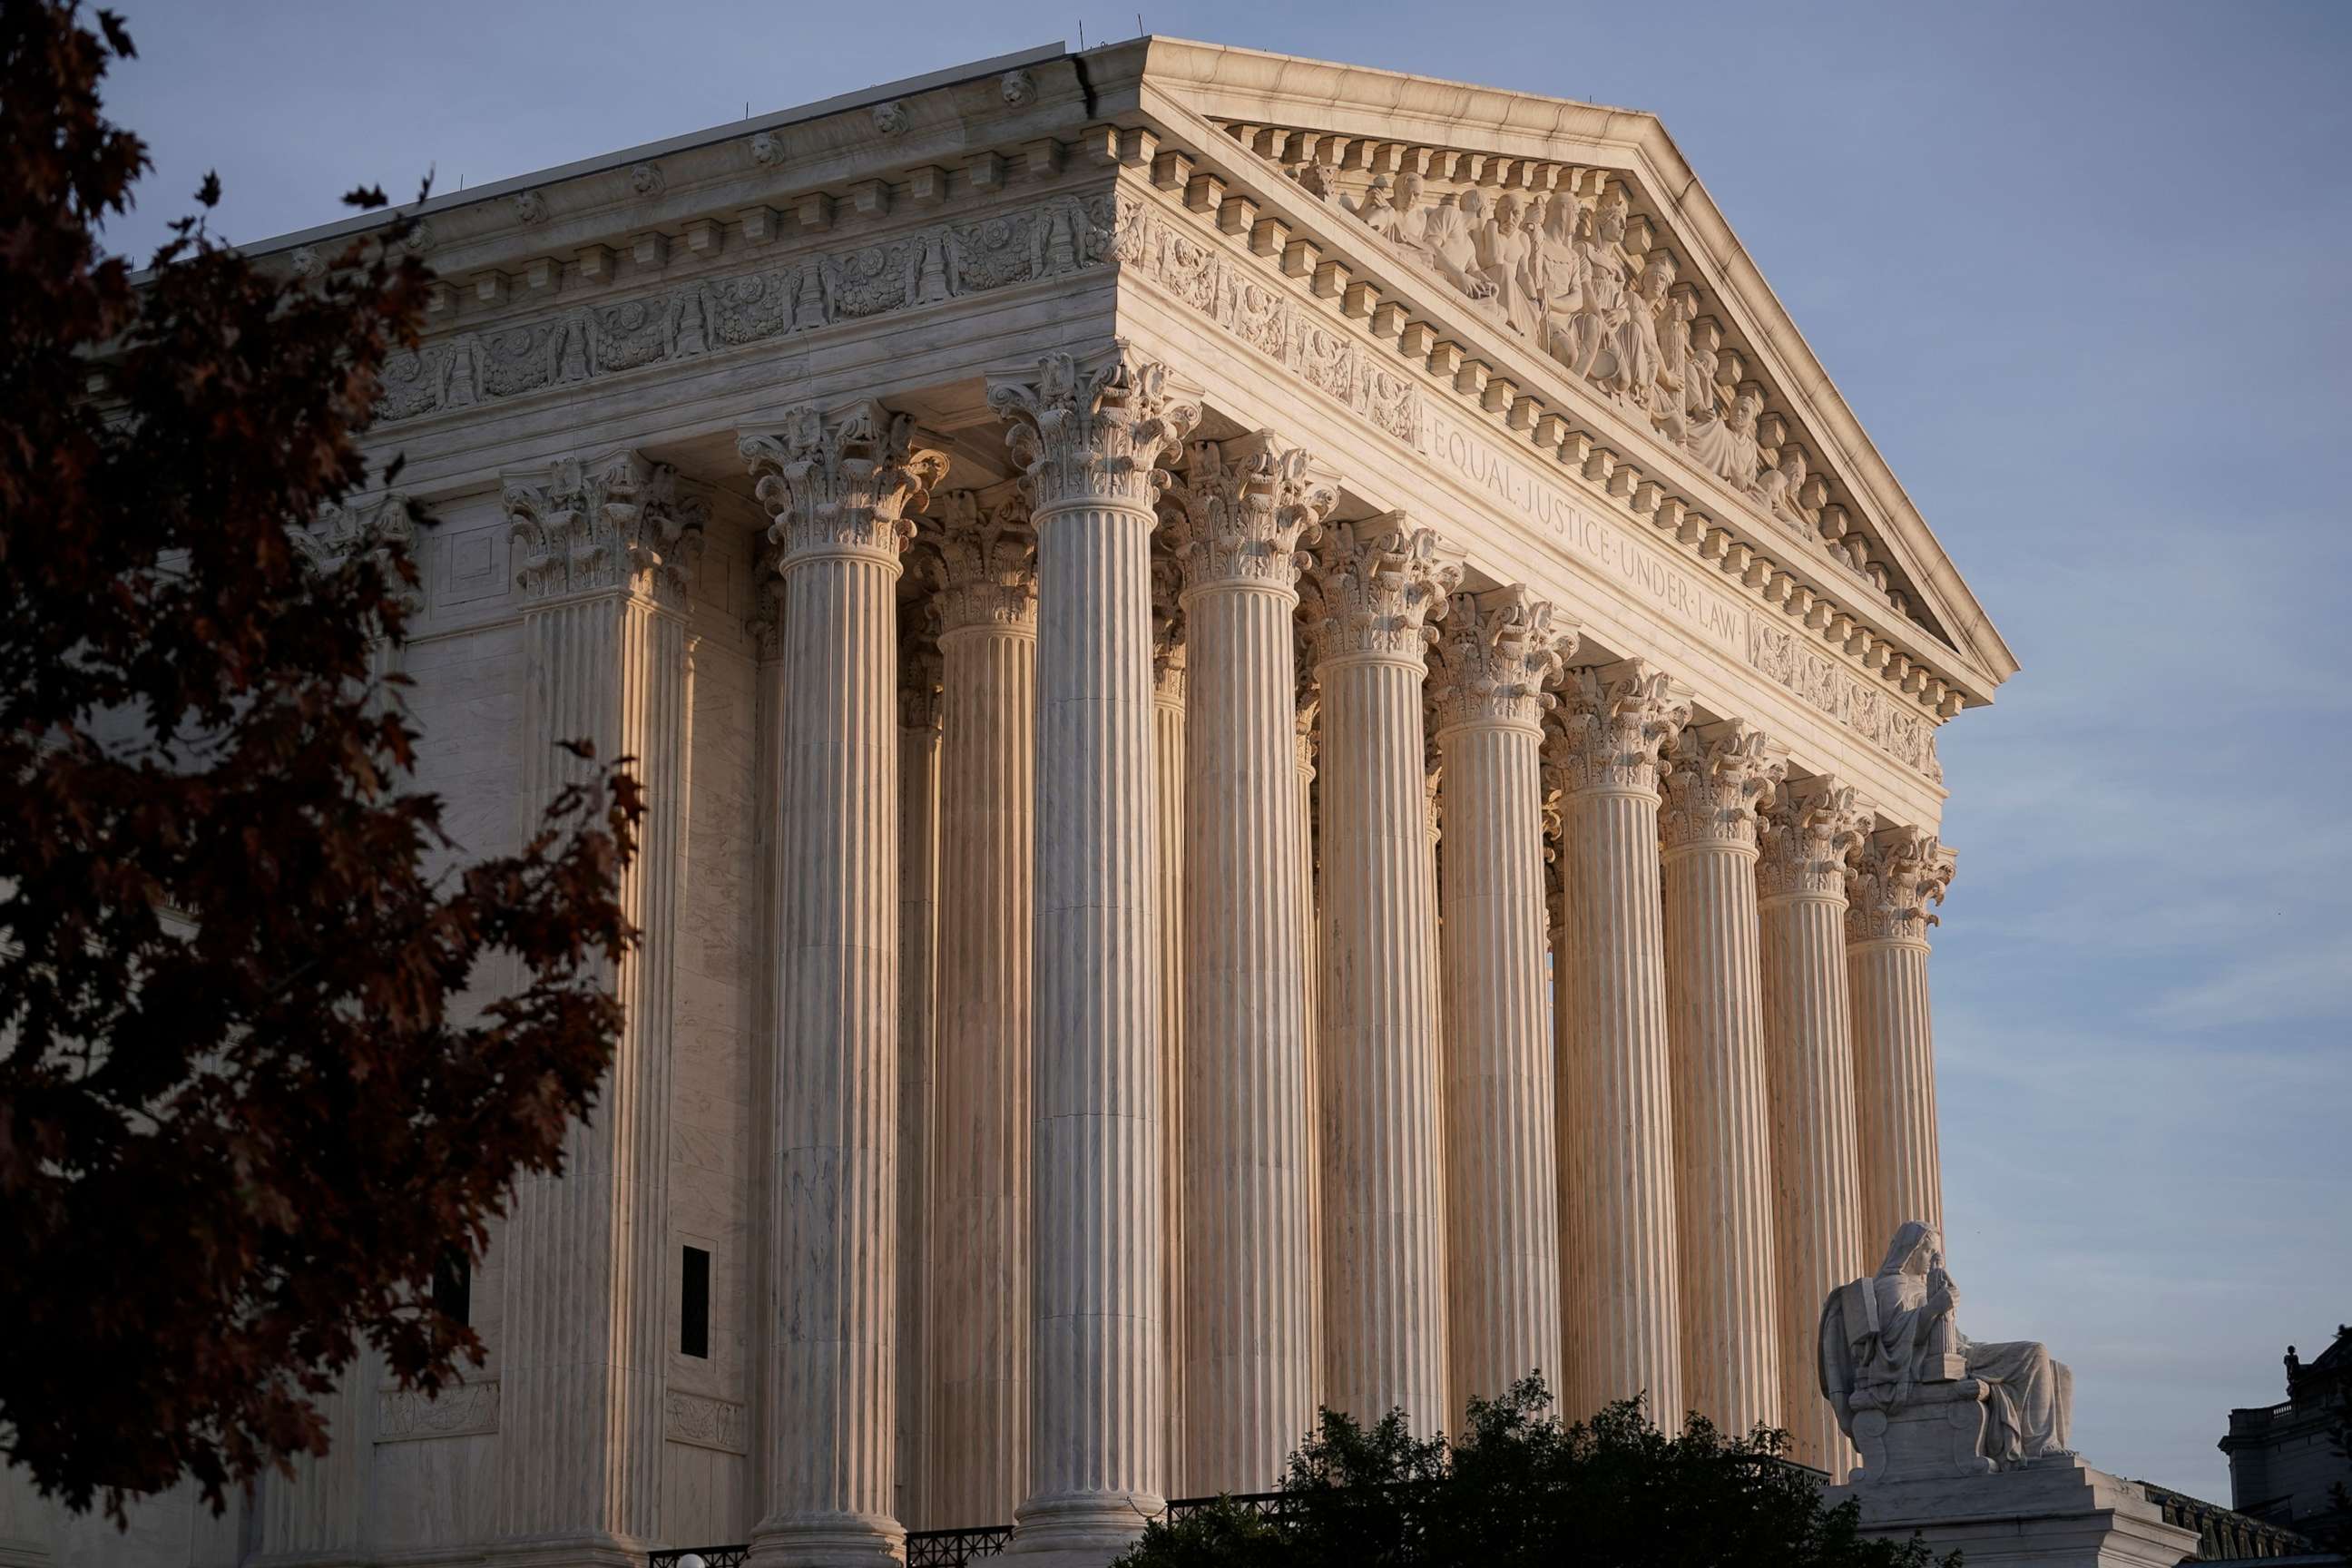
column 1168, row 665
column 1379, row 585
column 1093, row 429
column 1615, row 722
column 604, row 525
column 1498, row 652
column 1811, row 829
column 985, row 568
column 1303, row 716
column 1897, row 875
column 841, row 481
column 920, row 674
column 1719, row 779
column 1242, row 512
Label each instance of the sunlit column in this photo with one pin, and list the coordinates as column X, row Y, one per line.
column 1896, row 876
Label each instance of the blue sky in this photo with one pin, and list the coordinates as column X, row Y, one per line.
column 2080, row 270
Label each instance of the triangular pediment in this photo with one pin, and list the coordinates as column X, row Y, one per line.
column 1569, row 244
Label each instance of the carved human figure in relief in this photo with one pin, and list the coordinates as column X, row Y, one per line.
column 1377, row 211
column 1412, row 218
column 1555, row 275
column 1727, row 444
column 1640, row 373
column 1452, row 244
column 1887, row 1339
column 1506, row 248
column 1600, row 308
column 1781, row 489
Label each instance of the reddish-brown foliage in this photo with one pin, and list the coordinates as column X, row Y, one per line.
column 244, row 1108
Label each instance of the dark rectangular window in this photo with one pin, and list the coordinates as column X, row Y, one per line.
column 694, row 1304
column 453, row 1285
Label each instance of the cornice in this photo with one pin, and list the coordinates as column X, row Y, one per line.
column 1193, row 90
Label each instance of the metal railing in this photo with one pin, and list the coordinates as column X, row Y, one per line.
column 954, row 1548
column 709, row 1556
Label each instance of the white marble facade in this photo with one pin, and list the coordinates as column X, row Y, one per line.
column 1291, row 747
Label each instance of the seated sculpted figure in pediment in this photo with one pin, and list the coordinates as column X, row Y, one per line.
column 1919, row 1398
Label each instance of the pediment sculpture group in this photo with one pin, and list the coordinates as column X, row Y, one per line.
column 1555, row 269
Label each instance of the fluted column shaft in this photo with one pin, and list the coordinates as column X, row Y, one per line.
column 918, row 874
column 582, row 1346
column 1384, row 1192
column 839, row 484
column 1503, row 1232
column 1715, row 1021
column 1896, row 876
column 1619, row 1287
column 1249, row 1334
column 1088, row 435
column 1808, row 835
column 1310, row 940
column 979, row 1314
column 1168, row 752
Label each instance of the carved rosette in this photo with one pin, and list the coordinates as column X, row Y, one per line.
column 1379, row 587
column 1810, row 832
column 1718, row 780
column 1614, row 723
column 1896, row 876
column 1497, row 657
column 612, row 525
column 1242, row 512
column 986, row 565
column 1093, row 431
column 841, row 482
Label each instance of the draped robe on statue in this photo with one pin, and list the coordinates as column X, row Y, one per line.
column 1886, row 1334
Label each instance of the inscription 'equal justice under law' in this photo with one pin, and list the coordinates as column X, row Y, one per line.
column 1616, row 552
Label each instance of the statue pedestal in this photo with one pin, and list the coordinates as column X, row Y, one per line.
column 2050, row 1513
column 1936, row 1432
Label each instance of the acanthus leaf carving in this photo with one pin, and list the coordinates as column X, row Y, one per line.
column 842, row 481
column 1097, row 430
column 615, row 523
column 1243, row 511
column 1721, row 778
column 1896, row 878
column 1498, row 658
column 1613, row 725
column 984, row 562
column 1810, row 832
column 1378, row 585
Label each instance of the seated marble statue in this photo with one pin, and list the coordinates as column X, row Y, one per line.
column 1891, row 1342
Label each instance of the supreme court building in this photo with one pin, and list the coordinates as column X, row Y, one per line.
column 1291, row 753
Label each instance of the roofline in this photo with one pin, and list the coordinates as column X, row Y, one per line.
column 948, row 76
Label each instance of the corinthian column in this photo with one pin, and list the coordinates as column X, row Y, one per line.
column 1089, row 437
column 1715, row 1021
column 1897, row 875
column 980, row 1310
column 604, row 555
column 839, row 484
column 1249, row 1374
column 1167, row 769
column 1498, row 652
column 919, row 888
column 1811, row 830
column 1383, row 1221
column 1619, row 1301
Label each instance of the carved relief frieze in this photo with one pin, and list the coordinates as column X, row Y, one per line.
column 1268, row 317
column 1782, row 654
column 804, row 292
column 408, row 1415
column 1556, row 255
column 705, row 1423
